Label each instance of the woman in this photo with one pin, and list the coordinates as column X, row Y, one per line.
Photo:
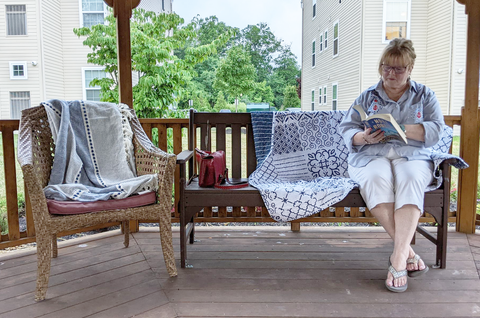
column 393, row 175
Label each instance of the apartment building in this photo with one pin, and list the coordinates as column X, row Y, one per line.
column 343, row 41
column 40, row 56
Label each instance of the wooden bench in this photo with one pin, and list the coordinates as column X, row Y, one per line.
column 246, row 204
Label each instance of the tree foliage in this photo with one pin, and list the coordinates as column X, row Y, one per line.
column 290, row 97
column 236, row 74
column 163, row 75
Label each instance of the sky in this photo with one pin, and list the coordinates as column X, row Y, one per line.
column 284, row 17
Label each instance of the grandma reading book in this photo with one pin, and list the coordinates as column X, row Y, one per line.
column 384, row 122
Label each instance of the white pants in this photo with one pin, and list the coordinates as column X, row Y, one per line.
column 397, row 180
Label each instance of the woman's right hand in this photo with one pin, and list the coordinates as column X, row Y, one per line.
column 368, row 138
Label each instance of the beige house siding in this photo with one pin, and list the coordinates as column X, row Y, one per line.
column 440, row 27
column 51, row 40
column 74, row 52
column 459, row 56
column 58, row 53
column 22, row 48
column 343, row 69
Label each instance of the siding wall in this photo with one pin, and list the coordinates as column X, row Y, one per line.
column 50, row 41
column 459, row 56
column 74, row 52
column 439, row 43
column 24, row 48
column 53, row 51
column 343, row 69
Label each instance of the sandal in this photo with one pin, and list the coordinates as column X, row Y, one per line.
column 396, row 274
column 418, row 272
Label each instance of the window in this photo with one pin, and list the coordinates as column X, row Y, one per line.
column 314, row 8
column 396, row 19
column 163, row 5
column 335, row 38
column 16, row 19
column 92, row 93
column 325, row 37
column 324, row 95
column 313, row 53
column 320, row 96
column 313, row 99
column 321, row 43
column 18, row 102
column 18, row 70
column 92, row 12
column 334, row 96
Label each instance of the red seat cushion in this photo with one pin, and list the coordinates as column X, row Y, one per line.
column 76, row 207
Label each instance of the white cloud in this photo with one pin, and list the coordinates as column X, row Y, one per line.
column 284, row 17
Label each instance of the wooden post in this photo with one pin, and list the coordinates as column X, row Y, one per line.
column 467, row 194
column 122, row 10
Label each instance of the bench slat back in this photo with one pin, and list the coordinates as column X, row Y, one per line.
column 230, row 132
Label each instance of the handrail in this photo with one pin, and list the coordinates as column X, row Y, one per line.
column 152, row 126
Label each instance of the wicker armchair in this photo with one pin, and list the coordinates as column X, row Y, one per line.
column 36, row 154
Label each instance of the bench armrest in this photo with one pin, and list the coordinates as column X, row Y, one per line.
column 184, row 156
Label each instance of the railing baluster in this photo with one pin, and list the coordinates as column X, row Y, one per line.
column 10, row 182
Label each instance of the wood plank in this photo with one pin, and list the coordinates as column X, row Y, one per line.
column 162, row 137
column 10, row 182
column 239, row 309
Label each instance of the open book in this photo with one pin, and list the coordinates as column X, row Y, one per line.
column 384, row 122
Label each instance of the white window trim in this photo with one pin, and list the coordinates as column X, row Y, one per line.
column 384, row 22
column 312, row 102
column 334, row 84
column 321, row 42
column 105, row 12
column 314, row 4
column 314, row 44
column 320, row 95
column 338, row 38
column 92, row 68
column 325, row 39
column 25, row 76
column 325, row 95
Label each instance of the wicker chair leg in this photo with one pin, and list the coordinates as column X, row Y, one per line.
column 165, row 226
column 44, row 258
column 54, row 246
column 126, row 231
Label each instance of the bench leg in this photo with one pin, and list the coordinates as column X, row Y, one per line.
column 441, row 258
column 295, row 226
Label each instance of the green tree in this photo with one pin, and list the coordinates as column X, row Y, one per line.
column 220, row 103
column 290, row 97
column 262, row 93
column 236, row 74
column 260, row 42
column 285, row 73
column 163, row 76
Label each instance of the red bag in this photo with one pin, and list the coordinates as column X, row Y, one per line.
column 213, row 172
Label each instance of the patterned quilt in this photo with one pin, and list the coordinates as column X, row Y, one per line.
column 302, row 162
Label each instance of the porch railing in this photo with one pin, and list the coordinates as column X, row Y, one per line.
column 167, row 135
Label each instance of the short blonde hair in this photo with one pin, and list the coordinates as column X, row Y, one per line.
column 398, row 49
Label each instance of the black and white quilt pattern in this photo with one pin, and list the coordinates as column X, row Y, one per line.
column 305, row 171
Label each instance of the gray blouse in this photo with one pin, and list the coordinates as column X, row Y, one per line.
column 418, row 105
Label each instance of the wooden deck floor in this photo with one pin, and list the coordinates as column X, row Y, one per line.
column 243, row 272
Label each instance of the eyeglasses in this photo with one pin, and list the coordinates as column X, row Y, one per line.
column 398, row 70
